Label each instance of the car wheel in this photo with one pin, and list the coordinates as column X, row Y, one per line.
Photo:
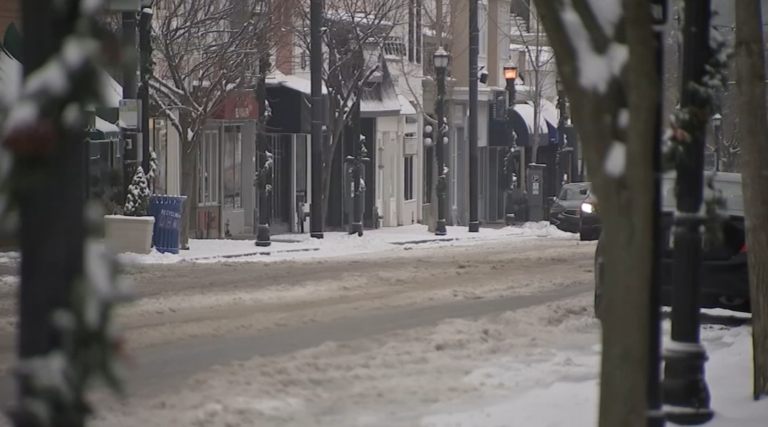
column 584, row 235
column 598, row 280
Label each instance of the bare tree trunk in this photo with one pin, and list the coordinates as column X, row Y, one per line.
column 188, row 189
column 751, row 92
column 625, row 191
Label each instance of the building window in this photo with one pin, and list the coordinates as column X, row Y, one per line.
column 208, row 168
column 408, row 179
column 233, row 146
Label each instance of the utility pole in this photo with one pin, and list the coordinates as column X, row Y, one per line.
column 130, row 136
column 51, row 209
column 655, row 416
column 474, row 51
column 316, row 70
column 686, row 393
column 145, row 69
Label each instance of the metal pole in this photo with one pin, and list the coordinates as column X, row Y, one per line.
column 130, row 154
column 265, row 169
column 316, row 70
column 474, row 51
column 442, row 179
column 145, row 69
column 655, row 414
column 52, row 225
column 359, row 155
column 686, row 393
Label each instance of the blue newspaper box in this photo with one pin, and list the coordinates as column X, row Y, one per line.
column 167, row 212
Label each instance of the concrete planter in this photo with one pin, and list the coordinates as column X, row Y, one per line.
column 129, row 233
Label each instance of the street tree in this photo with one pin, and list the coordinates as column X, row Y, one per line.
column 752, row 112
column 536, row 65
column 355, row 33
column 203, row 49
column 606, row 59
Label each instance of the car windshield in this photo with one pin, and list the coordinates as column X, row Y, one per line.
column 573, row 192
column 730, row 191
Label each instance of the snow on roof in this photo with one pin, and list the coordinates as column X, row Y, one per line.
column 293, row 82
column 112, row 90
column 106, row 126
column 406, row 108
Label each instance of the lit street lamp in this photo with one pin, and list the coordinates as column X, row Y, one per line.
column 717, row 125
column 441, row 59
column 510, row 75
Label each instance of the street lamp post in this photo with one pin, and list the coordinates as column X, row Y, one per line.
column 560, row 134
column 316, row 77
column 685, row 389
column 717, row 124
column 441, row 59
column 510, row 75
column 474, row 52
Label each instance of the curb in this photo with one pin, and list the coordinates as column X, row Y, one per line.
column 250, row 254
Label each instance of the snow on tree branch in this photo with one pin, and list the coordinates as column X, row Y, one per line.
column 597, row 65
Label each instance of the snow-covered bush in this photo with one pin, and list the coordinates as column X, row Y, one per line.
column 137, row 200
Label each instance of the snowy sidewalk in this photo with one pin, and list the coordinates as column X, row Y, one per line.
column 341, row 244
column 567, row 392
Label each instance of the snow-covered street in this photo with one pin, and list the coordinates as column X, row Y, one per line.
column 495, row 331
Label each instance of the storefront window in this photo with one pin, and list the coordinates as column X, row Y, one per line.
column 233, row 167
column 208, row 161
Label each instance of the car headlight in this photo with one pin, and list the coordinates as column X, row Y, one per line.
column 587, row 208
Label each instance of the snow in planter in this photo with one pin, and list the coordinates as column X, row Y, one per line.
column 137, row 200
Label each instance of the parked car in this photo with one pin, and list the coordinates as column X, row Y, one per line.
column 724, row 275
column 590, row 226
column 564, row 209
